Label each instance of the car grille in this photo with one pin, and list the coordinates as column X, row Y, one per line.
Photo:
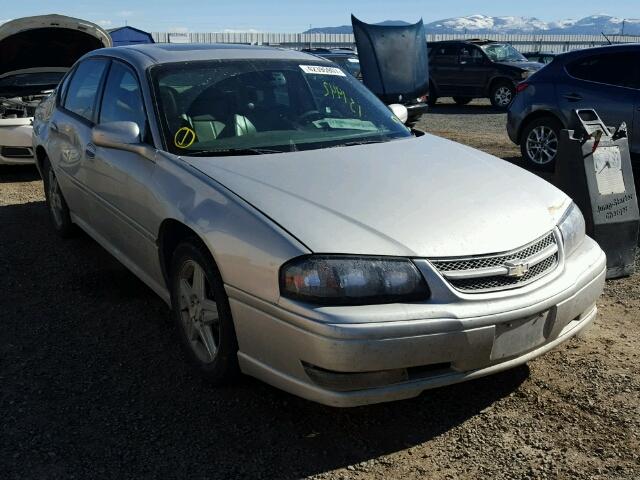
column 513, row 269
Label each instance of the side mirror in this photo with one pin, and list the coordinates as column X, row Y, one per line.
column 400, row 111
column 121, row 136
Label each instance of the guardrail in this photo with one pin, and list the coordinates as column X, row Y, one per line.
column 523, row 42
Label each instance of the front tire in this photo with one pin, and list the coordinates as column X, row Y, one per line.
column 502, row 94
column 201, row 312
column 58, row 208
column 539, row 143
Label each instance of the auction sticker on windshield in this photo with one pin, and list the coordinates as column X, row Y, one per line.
column 319, row 70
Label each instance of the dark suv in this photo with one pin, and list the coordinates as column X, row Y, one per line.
column 469, row 69
column 606, row 79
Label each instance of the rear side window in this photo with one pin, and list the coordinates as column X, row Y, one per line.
column 445, row 55
column 613, row 69
column 122, row 99
column 83, row 88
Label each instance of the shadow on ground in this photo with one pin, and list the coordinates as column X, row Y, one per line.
column 94, row 385
column 471, row 109
column 18, row 173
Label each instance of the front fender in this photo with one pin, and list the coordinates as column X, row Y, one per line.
column 247, row 246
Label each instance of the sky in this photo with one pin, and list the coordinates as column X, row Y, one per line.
column 297, row 15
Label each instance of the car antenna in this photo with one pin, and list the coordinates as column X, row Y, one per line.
column 606, row 38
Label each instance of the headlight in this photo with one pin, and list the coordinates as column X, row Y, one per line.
column 572, row 228
column 352, row 280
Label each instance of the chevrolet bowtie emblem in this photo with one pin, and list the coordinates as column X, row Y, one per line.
column 516, row 268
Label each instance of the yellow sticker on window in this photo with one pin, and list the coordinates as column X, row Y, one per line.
column 184, row 138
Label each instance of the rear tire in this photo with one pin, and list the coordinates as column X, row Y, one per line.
column 201, row 312
column 57, row 205
column 462, row 100
column 539, row 143
column 502, row 94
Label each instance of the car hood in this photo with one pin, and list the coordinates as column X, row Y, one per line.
column 530, row 66
column 394, row 61
column 32, row 46
column 422, row 197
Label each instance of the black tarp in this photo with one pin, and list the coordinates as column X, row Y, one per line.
column 393, row 60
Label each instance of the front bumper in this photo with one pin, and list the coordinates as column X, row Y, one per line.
column 416, row 110
column 434, row 344
column 15, row 142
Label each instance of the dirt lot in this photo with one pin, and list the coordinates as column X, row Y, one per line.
column 92, row 383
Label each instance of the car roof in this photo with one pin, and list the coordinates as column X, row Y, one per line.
column 157, row 53
column 347, row 52
column 626, row 47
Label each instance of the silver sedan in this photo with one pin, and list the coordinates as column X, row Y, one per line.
column 301, row 233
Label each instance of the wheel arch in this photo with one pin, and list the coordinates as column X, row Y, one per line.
column 41, row 155
column 533, row 116
column 171, row 233
column 498, row 79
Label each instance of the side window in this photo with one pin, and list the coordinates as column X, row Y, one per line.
column 122, row 99
column 83, row 88
column 446, row 55
column 62, row 89
column 613, row 69
column 469, row 55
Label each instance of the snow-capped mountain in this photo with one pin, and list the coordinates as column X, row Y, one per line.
column 592, row 25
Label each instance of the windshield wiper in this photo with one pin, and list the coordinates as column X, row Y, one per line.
column 359, row 142
column 230, row 152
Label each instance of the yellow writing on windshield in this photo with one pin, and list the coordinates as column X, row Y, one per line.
column 335, row 92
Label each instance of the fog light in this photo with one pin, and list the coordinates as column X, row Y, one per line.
column 346, row 382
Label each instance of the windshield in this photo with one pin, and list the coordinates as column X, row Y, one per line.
column 266, row 106
column 500, row 52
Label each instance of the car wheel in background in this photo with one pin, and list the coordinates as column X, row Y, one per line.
column 201, row 312
column 462, row 100
column 58, row 209
column 502, row 94
column 539, row 143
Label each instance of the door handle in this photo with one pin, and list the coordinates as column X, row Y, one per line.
column 573, row 97
column 53, row 126
column 90, row 151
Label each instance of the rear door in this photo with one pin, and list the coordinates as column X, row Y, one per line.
column 608, row 83
column 444, row 68
column 70, row 133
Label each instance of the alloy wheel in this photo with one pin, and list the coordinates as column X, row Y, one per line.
column 198, row 312
column 503, row 96
column 542, row 145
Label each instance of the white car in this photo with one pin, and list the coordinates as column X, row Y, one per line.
column 35, row 53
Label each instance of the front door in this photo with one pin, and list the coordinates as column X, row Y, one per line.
column 122, row 180
column 474, row 70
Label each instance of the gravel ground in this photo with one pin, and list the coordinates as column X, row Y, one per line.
column 92, row 382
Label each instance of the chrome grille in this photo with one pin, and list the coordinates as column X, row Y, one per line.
column 499, row 272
